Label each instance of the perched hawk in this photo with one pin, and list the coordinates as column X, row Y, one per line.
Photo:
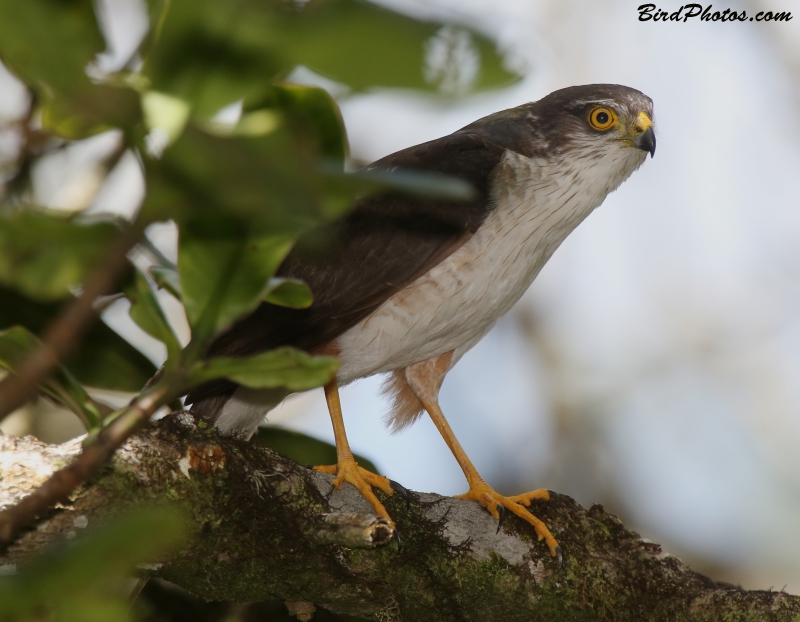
column 405, row 286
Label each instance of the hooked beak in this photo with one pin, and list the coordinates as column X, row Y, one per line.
column 645, row 138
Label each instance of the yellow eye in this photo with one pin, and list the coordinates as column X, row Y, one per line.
column 602, row 118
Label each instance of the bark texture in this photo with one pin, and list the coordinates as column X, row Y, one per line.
column 264, row 527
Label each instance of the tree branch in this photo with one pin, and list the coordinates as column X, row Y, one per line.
column 95, row 453
column 263, row 529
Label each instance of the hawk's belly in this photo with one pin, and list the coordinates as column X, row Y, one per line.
column 457, row 302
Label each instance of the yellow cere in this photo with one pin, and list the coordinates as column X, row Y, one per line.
column 602, row 118
column 643, row 122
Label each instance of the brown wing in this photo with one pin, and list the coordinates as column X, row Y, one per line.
column 356, row 264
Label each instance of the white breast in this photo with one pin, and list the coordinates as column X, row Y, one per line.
column 538, row 203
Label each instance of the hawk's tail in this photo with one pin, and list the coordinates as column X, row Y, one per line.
column 234, row 409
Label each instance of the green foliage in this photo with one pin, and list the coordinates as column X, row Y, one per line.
column 104, row 361
column 311, row 110
column 355, row 42
column 44, row 254
column 428, row 185
column 225, row 276
column 282, row 367
column 252, row 172
column 240, row 194
column 290, row 293
column 16, row 344
column 31, row 31
column 84, row 580
column 214, row 53
column 149, row 316
column 49, row 44
column 302, row 448
column 167, row 278
column 95, row 109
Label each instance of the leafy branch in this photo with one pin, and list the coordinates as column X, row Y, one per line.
column 240, row 193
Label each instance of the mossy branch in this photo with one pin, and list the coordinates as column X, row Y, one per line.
column 264, row 529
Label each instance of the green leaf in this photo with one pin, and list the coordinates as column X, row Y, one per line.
column 314, row 110
column 282, row 367
column 216, row 174
column 17, row 344
column 49, row 42
column 311, row 113
column 82, row 580
column 366, row 46
column 200, row 56
column 301, row 448
column 149, row 316
column 104, row 360
column 168, row 279
column 165, row 112
column 416, row 183
column 215, row 53
column 224, row 277
column 342, row 190
column 44, row 254
column 291, row 293
column 90, row 110
column 494, row 72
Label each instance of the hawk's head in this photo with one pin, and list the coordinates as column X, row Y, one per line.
column 603, row 132
column 597, row 133
column 597, row 117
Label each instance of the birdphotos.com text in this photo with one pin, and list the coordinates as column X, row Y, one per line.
column 650, row 12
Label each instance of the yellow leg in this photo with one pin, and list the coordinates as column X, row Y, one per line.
column 346, row 468
column 425, row 379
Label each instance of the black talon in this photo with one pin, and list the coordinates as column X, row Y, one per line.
column 403, row 492
column 559, row 556
column 501, row 510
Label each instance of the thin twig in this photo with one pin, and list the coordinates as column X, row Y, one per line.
column 61, row 484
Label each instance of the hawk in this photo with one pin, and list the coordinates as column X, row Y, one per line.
column 405, row 286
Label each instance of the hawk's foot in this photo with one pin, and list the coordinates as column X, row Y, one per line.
column 348, row 471
column 493, row 501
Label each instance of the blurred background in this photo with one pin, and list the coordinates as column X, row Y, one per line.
column 654, row 365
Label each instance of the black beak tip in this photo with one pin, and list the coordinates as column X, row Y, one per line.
column 647, row 142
